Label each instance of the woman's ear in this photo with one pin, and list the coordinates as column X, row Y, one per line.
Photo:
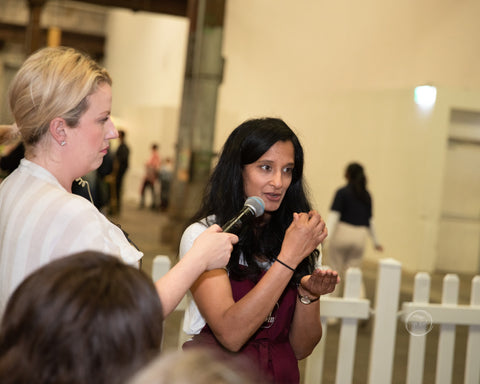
column 57, row 130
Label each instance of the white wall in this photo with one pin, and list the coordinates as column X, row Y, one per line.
column 342, row 74
column 145, row 55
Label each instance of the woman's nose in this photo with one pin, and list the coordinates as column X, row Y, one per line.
column 276, row 179
column 112, row 132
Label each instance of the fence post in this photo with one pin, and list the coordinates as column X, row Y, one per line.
column 161, row 265
column 348, row 308
column 385, row 325
column 446, row 338
column 348, row 330
column 314, row 363
column 472, row 364
column 417, row 340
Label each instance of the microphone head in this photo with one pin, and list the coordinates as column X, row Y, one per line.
column 256, row 204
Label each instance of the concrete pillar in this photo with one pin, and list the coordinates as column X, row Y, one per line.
column 33, row 35
column 203, row 76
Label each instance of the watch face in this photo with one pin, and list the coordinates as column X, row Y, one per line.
column 305, row 300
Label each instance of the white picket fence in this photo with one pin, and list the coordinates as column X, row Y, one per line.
column 419, row 316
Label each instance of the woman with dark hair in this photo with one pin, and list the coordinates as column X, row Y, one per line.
column 264, row 305
column 349, row 222
column 85, row 318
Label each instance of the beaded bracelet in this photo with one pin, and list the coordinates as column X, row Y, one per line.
column 281, row 262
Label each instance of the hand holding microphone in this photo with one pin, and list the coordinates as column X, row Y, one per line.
column 215, row 246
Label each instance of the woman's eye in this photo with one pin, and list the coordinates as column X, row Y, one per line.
column 288, row 169
column 265, row 167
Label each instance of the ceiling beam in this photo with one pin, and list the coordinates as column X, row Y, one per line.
column 94, row 44
column 169, row 7
column 91, row 44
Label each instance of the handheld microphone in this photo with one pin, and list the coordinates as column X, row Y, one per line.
column 254, row 206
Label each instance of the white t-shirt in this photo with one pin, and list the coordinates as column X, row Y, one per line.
column 41, row 221
column 193, row 321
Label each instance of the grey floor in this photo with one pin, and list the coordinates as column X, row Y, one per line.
column 154, row 234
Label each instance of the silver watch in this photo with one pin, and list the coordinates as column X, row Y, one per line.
column 304, row 299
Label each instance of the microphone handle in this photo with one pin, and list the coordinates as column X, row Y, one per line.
column 236, row 222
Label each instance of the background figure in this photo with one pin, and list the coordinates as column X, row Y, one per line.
column 12, row 152
column 103, row 194
column 10, row 159
column 166, row 174
column 265, row 305
column 121, row 165
column 86, row 187
column 349, row 222
column 197, row 366
column 152, row 167
column 84, row 318
column 98, row 190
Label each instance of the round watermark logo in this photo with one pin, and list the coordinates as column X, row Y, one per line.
column 419, row 323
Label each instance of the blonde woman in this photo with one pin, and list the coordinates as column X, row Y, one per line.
column 61, row 102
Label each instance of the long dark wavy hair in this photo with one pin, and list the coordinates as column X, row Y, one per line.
column 85, row 318
column 224, row 196
column 358, row 181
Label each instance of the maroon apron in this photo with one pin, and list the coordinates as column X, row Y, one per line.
column 269, row 347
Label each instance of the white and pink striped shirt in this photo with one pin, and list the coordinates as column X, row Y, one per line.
column 41, row 221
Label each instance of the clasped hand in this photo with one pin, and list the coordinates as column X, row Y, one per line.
column 304, row 234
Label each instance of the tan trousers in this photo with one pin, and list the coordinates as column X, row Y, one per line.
column 344, row 250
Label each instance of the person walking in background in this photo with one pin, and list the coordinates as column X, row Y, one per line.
column 122, row 156
column 265, row 305
column 349, row 222
column 152, row 168
column 166, row 174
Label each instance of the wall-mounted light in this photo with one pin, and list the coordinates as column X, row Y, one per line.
column 425, row 96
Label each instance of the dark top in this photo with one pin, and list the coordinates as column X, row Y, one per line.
column 269, row 348
column 106, row 168
column 11, row 161
column 352, row 210
column 122, row 155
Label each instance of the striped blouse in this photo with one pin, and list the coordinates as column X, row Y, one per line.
column 41, row 221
